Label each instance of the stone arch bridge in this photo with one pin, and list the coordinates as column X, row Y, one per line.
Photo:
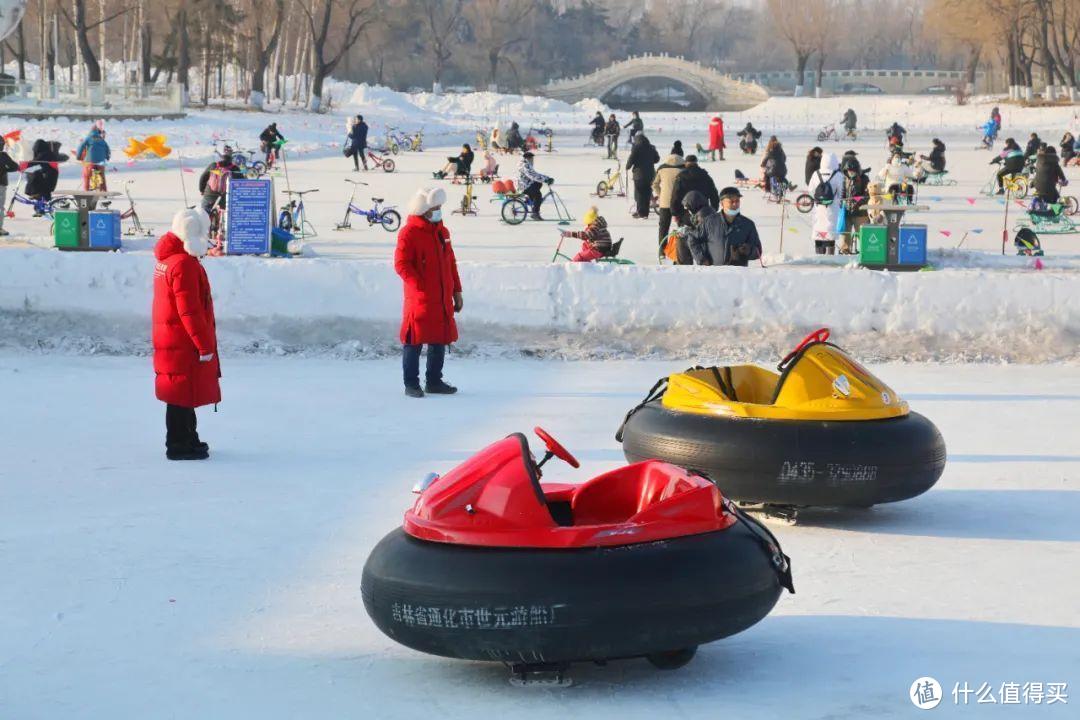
column 720, row 91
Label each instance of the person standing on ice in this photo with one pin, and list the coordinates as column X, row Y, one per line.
column 850, row 123
column 716, row 137
column 662, row 187
column 357, row 140
column 641, row 165
column 721, row 238
column 827, row 203
column 7, row 165
column 186, row 367
column 425, row 261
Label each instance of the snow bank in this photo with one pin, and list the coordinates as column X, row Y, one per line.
column 91, row 303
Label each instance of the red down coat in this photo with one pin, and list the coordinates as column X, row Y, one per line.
column 183, row 328
column 716, row 134
column 425, row 261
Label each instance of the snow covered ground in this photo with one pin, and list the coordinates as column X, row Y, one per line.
column 141, row 588
column 343, row 295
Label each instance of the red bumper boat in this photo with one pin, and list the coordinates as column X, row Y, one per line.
column 643, row 561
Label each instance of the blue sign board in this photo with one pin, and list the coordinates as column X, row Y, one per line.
column 247, row 217
column 911, row 248
column 104, row 229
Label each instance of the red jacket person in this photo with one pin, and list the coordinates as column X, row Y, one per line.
column 184, row 333
column 425, row 261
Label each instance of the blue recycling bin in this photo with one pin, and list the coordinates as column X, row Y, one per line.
column 104, row 229
column 911, row 245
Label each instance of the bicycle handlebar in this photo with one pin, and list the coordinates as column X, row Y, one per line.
column 301, row 192
column 355, row 182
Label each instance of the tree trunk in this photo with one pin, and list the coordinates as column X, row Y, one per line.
column 205, row 64
column 22, row 54
column 800, row 72
column 183, row 55
column 93, row 69
column 819, row 72
column 493, row 70
column 972, row 68
column 315, row 103
column 101, row 38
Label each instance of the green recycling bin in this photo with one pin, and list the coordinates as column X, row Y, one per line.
column 66, row 228
column 873, row 245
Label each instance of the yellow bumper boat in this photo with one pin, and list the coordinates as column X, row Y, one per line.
column 823, row 431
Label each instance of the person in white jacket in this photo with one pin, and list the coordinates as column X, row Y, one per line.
column 898, row 179
column 826, row 215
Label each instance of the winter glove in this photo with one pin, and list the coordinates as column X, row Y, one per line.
column 458, row 302
column 206, row 358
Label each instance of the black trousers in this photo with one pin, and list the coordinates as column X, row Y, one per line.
column 642, row 194
column 536, row 195
column 664, row 228
column 180, row 432
column 410, row 363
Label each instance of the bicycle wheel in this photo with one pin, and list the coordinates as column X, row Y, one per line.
column 514, row 211
column 822, row 136
column 1021, row 187
column 256, row 169
column 285, row 221
column 601, row 189
column 394, row 149
column 388, row 165
column 390, row 220
column 804, row 203
column 1070, row 205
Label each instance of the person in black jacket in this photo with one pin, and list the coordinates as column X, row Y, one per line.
column 1033, row 145
column 850, row 122
column 636, row 125
column 598, row 124
column 612, row 131
column 813, row 163
column 214, row 182
column 641, row 165
column 748, row 139
column 1012, row 162
column 774, row 167
column 721, row 238
column 268, row 142
column 357, row 148
column 514, row 141
column 7, row 165
column 460, row 165
column 42, row 172
column 693, row 177
column 1048, row 176
column 1068, row 148
column 933, row 163
column 850, row 160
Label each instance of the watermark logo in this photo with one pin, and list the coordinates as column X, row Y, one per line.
column 925, row 693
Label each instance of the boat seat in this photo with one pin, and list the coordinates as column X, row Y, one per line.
column 617, row 496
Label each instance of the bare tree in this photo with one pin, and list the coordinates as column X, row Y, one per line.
column 498, row 25
column 350, row 15
column 77, row 20
column 263, row 51
column 442, row 19
column 801, row 23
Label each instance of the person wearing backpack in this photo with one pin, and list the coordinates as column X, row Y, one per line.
column 93, row 153
column 214, row 182
column 830, row 184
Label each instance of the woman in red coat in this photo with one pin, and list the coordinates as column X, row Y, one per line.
column 716, row 137
column 425, row 261
column 184, row 333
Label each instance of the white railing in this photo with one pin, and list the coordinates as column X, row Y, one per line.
column 105, row 97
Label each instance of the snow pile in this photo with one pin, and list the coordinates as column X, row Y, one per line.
column 88, row 302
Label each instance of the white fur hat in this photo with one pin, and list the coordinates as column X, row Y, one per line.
column 425, row 199
column 192, row 226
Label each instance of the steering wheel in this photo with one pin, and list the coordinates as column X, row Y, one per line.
column 556, row 449
column 819, row 335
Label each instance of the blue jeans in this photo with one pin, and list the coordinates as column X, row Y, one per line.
column 410, row 363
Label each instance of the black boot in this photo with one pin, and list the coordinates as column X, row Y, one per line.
column 193, row 453
column 440, row 388
column 414, row 391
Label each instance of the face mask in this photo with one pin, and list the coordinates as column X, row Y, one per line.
column 731, row 211
column 436, row 216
